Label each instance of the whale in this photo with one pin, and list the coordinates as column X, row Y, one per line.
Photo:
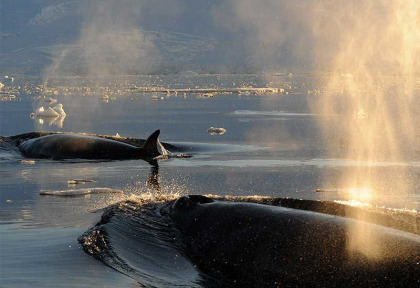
column 255, row 245
column 76, row 146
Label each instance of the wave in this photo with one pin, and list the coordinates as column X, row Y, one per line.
column 135, row 239
column 271, row 113
column 139, row 239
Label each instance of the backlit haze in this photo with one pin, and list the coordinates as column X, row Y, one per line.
column 362, row 59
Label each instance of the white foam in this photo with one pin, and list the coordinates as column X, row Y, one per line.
column 162, row 149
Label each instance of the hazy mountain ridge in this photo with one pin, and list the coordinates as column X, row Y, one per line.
column 74, row 37
column 33, row 35
column 50, row 14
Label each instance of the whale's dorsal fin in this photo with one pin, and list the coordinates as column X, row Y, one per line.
column 151, row 144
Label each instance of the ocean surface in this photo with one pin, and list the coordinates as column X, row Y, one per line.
column 272, row 147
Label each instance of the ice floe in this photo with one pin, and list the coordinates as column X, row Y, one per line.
column 78, row 192
column 216, row 131
column 55, row 111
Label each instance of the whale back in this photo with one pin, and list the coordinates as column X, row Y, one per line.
column 259, row 245
column 73, row 146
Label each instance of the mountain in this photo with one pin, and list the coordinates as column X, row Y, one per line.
column 128, row 37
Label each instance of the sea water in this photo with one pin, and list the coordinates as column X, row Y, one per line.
column 272, row 147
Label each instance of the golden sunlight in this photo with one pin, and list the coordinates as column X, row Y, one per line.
column 373, row 51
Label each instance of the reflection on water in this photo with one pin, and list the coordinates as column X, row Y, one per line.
column 153, row 179
column 51, row 257
column 45, row 205
column 255, row 157
column 320, row 163
column 50, row 121
column 255, row 147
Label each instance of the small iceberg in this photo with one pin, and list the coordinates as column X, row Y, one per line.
column 216, row 131
column 30, row 162
column 59, row 109
column 79, row 192
column 41, row 112
column 56, row 111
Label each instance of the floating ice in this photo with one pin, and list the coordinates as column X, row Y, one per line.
column 212, row 91
column 50, row 100
column 41, row 112
column 56, row 111
column 30, row 162
column 78, row 192
column 59, row 109
column 106, row 98
column 84, row 180
column 216, row 131
column 79, row 181
column 205, row 95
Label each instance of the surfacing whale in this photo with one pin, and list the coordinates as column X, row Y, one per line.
column 74, row 146
column 254, row 245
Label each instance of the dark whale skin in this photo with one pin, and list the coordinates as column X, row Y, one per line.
column 73, row 146
column 253, row 245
